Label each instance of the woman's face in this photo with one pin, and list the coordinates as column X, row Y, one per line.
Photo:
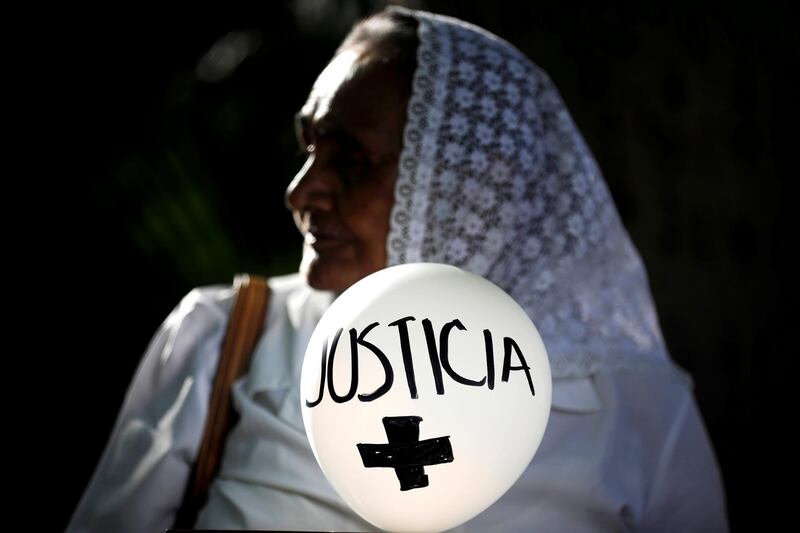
column 351, row 128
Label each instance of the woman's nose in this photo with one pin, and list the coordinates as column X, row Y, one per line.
column 311, row 187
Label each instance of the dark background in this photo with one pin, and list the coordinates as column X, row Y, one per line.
column 164, row 142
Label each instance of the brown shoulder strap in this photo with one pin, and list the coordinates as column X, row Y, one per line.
column 244, row 328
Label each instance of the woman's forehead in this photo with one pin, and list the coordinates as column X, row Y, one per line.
column 354, row 92
column 334, row 76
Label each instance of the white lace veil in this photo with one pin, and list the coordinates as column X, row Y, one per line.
column 495, row 178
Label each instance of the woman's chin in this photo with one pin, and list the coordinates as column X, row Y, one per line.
column 338, row 268
column 325, row 273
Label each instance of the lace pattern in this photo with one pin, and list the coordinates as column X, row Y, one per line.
column 495, row 178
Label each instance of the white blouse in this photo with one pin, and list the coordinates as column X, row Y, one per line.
column 623, row 451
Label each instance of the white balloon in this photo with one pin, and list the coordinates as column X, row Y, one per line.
column 480, row 414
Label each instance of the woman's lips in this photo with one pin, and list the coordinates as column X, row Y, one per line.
column 322, row 241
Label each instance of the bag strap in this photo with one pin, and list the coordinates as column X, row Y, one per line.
column 245, row 323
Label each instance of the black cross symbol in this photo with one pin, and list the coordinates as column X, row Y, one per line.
column 405, row 452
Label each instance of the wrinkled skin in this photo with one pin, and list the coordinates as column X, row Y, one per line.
column 341, row 199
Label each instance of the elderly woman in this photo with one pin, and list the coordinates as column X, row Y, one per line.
column 429, row 139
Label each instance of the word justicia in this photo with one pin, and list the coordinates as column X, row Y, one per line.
column 438, row 356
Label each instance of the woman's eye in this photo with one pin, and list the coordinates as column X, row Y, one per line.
column 352, row 165
column 352, row 161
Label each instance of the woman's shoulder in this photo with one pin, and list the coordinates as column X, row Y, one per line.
column 661, row 381
column 287, row 283
column 213, row 303
column 220, row 296
column 645, row 390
